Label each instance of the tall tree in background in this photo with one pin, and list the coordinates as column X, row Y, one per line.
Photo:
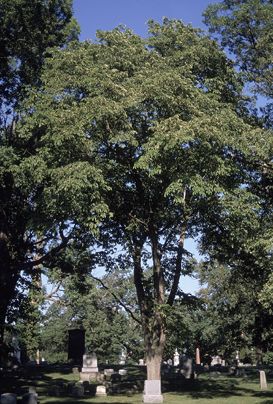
column 27, row 31
column 41, row 186
column 234, row 316
column 86, row 303
column 245, row 29
column 164, row 123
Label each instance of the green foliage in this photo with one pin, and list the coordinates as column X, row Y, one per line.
column 268, row 358
column 245, row 29
column 232, row 317
column 28, row 29
column 45, row 182
column 88, row 305
column 164, row 121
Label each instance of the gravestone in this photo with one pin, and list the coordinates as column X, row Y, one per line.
column 152, row 392
column 122, row 372
column 187, row 368
column 141, row 362
column 90, row 367
column 122, row 357
column 197, row 357
column 90, row 363
column 263, row 382
column 108, row 372
column 78, row 390
column 75, row 370
column 16, row 349
column 237, row 358
column 76, row 345
column 101, row 391
column 8, row 398
column 176, row 358
column 216, row 360
column 30, row 398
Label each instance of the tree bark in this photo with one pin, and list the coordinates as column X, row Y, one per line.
column 154, row 326
column 8, row 280
column 154, row 339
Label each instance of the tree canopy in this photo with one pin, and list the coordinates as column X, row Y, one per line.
column 164, row 122
column 40, row 197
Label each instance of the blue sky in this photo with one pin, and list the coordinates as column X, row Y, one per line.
column 107, row 14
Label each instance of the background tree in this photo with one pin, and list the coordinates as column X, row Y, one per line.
column 162, row 120
column 233, row 314
column 28, row 30
column 43, row 190
column 244, row 28
column 86, row 303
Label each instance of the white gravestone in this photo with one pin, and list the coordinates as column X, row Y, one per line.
column 90, row 367
column 108, row 372
column 101, row 391
column 216, row 360
column 122, row 357
column 176, row 358
column 90, row 363
column 197, row 356
column 152, row 392
column 263, row 382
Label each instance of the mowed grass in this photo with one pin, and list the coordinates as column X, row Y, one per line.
column 216, row 389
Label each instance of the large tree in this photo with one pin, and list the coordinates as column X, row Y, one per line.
column 164, row 122
column 41, row 187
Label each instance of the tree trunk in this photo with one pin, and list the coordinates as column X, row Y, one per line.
column 8, row 280
column 154, row 339
column 8, row 285
column 153, row 363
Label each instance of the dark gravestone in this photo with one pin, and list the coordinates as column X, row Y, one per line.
column 76, row 345
column 30, row 398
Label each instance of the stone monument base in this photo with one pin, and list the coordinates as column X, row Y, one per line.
column 152, row 392
column 88, row 376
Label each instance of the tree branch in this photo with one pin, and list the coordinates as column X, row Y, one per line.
column 50, row 295
column 116, row 298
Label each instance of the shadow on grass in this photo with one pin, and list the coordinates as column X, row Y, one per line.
column 223, row 387
column 19, row 381
column 59, row 400
column 43, row 378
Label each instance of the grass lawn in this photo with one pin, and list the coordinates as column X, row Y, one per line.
column 206, row 389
